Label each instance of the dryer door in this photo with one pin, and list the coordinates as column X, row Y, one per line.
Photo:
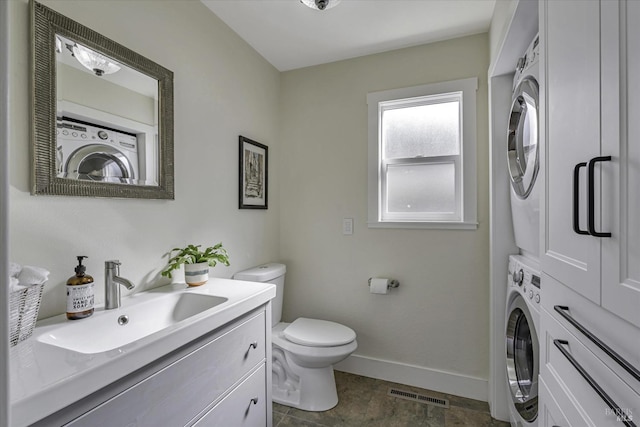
column 522, row 137
column 97, row 162
column 522, row 359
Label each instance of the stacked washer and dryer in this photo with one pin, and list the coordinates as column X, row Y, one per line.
column 522, row 314
column 87, row 151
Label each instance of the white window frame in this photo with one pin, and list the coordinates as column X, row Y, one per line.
column 465, row 163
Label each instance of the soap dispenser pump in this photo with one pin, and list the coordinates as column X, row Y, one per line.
column 80, row 296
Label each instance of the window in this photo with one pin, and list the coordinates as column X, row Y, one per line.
column 422, row 156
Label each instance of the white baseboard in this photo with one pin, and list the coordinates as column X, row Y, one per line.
column 417, row 376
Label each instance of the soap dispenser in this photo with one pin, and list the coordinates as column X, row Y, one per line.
column 80, row 293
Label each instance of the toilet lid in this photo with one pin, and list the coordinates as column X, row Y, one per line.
column 318, row 333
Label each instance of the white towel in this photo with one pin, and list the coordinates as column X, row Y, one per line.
column 14, row 285
column 14, row 269
column 32, row 276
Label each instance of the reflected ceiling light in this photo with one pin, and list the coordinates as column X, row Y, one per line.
column 91, row 60
column 320, row 4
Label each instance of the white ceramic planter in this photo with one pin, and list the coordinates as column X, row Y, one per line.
column 196, row 274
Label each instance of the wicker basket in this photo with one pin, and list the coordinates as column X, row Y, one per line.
column 23, row 312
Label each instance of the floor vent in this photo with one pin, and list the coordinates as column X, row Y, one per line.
column 422, row 398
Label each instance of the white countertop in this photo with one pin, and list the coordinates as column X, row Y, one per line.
column 46, row 378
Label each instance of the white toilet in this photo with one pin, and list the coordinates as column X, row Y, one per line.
column 304, row 351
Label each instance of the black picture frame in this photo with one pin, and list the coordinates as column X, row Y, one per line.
column 254, row 174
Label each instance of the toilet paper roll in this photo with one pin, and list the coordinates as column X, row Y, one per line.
column 379, row 285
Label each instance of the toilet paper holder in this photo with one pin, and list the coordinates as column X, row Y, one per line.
column 393, row 283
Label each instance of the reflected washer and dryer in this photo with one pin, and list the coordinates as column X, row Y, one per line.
column 522, row 152
column 522, row 340
column 90, row 152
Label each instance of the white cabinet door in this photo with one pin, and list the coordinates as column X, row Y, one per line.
column 571, row 40
column 621, row 176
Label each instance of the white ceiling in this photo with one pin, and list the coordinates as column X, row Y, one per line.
column 290, row 35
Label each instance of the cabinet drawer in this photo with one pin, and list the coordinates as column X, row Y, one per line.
column 614, row 332
column 550, row 413
column 245, row 406
column 581, row 403
column 172, row 395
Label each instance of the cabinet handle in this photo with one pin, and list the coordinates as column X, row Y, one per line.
column 253, row 345
column 576, row 199
column 254, row 400
column 592, row 201
column 635, row 373
column 596, row 387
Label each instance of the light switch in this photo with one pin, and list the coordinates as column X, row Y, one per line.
column 347, row 226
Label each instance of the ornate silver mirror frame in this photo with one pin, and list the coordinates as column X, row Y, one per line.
column 46, row 24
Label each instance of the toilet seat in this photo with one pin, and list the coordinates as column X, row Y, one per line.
column 318, row 354
column 318, row 333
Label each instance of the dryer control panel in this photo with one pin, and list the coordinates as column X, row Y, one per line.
column 531, row 56
column 528, row 60
column 77, row 131
column 524, row 274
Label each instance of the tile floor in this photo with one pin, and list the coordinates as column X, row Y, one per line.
column 364, row 403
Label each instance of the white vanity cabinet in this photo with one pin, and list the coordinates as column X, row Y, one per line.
column 590, row 317
column 218, row 380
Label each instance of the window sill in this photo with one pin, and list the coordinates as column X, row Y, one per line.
column 435, row 225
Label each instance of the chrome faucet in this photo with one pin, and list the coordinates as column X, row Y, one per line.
column 112, row 280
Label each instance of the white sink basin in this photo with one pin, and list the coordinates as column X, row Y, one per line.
column 137, row 318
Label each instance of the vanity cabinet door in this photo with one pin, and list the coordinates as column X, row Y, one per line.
column 176, row 394
column 245, row 406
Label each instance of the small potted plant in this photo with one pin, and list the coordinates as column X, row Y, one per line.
column 196, row 262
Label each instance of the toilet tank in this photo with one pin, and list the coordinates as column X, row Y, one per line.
column 268, row 273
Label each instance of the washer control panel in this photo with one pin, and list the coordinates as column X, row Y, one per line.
column 524, row 274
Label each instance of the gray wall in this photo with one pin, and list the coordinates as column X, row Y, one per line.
column 223, row 88
column 438, row 318
column 4, row 210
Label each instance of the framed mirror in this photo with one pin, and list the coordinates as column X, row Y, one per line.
column 102, row 115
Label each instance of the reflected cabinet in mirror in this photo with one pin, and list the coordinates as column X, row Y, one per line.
column 103, row 114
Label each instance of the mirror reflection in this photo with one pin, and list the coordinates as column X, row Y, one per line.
column 102, row 114
column 106, row 118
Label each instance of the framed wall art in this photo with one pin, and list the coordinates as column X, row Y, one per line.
column 254, row 174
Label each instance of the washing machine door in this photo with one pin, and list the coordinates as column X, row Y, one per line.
column 522, row 137
column 522, row 359
column 97, row 162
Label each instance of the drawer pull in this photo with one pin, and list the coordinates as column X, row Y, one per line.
column 596, row 387
column 563, row 310
column 591, row 201
column 576, row 199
